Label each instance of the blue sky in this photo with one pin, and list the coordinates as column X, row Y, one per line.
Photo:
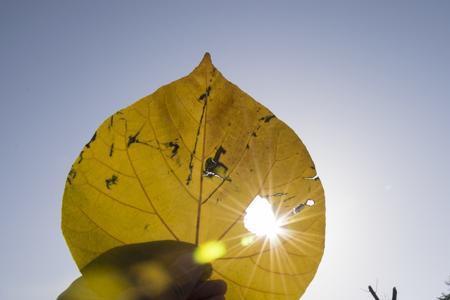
column 365, row 84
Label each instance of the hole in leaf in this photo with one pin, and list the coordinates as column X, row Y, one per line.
column 301, row 206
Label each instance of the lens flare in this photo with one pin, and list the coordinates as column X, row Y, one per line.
column 209, row 251
column 247, row 240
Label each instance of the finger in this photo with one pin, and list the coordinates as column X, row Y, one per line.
column 222, row 297
column 122, row 257
column 208, row 289
column 187, row 273
column 79, row 290
column 135, row 266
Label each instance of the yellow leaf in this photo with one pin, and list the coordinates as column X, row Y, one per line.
column 184, row 163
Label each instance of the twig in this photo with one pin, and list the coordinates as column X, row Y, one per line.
column 375, row 296
column 373, row 293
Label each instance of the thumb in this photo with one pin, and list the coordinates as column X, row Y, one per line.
column 186, row 274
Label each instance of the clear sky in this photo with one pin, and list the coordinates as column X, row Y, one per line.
column 365, row 84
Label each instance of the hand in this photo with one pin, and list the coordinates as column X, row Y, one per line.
column 162, row 270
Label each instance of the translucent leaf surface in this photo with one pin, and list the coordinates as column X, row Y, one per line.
column 183, row 164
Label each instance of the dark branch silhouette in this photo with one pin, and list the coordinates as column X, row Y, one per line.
column 375, row 296
column 445, row 296
column 373, row 293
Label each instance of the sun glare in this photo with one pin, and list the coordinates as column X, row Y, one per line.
column 260, row 218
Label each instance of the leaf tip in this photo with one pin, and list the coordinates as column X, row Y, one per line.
column 205, row 66
column 206, row 60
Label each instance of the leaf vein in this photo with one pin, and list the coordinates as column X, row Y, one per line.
column 148, row 197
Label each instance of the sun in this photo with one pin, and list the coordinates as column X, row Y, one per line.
column 260, row 218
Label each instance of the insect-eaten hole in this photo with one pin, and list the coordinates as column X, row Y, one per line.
column 310, row 202
column 301, row 206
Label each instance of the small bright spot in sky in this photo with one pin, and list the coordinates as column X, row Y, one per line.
column 260, row 218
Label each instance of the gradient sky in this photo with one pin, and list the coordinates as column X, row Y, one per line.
column 365, row 84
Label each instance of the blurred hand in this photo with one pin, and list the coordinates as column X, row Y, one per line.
column 162, row 270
